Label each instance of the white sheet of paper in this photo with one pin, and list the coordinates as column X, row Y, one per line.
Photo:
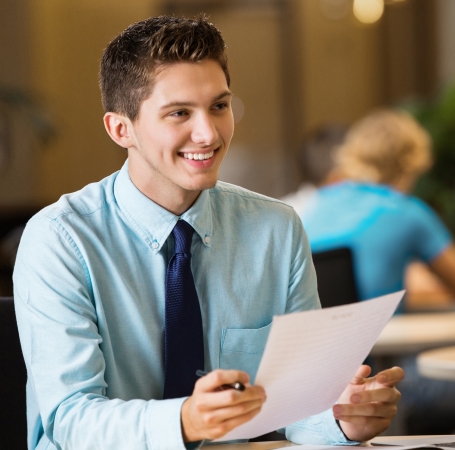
column 357, row 447
column 309, row 359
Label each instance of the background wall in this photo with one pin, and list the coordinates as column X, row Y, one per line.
column 292, row 66
column 446, row 40
column 69, row 38
column 18, row 177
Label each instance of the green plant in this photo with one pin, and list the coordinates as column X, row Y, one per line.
column 437, row 187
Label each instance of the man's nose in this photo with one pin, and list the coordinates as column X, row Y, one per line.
column 204, row 131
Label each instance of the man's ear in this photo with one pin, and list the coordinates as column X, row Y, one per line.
column 120, row 129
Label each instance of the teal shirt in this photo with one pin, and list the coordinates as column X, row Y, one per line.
column 90, row 291
column 384, row 228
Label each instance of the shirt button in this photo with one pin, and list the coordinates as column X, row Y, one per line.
column 154, row 245
column 207, row 239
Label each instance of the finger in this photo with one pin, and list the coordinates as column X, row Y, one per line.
column 378, row 410
column 217, row 378
column 378, row 424
column 390, row 377
column 234, row 397
column 383, row 394
column 203, row 411
column 227, row 425
column 212, row 400
column 362, row 372
column 220, row 415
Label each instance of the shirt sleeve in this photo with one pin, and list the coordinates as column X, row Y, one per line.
column 321, row 429
column 430, row 235
column 58, row 326
column 302, row 289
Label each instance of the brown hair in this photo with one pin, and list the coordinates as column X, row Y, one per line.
column 385, row 147
column 130, row 60
column 318, row 150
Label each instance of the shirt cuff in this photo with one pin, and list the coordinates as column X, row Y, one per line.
column 194, row 445
column 165, row 425
column 333, row 431
column 321, row 429
column 339, row 426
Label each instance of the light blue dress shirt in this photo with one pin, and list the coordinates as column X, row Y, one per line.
column 89, row 290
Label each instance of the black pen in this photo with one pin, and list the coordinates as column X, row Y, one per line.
column 237, row 385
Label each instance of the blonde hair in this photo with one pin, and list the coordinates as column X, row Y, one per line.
column 385, row 147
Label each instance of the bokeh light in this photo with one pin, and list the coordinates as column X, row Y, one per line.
column 368, row 11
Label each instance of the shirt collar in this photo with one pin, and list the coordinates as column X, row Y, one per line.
column 155, row 223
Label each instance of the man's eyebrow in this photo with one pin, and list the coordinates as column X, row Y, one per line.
column 222, row 95
column 181, row 104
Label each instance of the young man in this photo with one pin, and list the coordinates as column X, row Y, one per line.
column 110, row 349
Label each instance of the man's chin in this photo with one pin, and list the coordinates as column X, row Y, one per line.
column 209, row 185
column 203, row 185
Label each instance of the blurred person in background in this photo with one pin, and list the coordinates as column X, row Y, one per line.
column 425, row 290
column 316, row 163
column 371, row 211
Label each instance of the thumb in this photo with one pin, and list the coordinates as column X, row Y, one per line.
column 362, row 372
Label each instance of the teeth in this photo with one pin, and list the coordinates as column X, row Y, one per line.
column 198, row 156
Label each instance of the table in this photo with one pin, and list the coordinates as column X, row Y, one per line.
column 413, row 333
column 412, row 440
column 252, row 446
column 383, row 440
column 409, row 334
column 438, row 363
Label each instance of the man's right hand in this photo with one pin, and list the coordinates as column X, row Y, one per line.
column 212, row 411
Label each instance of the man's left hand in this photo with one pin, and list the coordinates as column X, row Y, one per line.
column 368, row 405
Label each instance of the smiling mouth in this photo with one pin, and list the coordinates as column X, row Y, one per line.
column 199, row 156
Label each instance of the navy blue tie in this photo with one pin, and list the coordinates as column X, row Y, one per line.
column 183, row 335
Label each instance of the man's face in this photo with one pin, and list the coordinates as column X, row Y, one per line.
column 182, row 133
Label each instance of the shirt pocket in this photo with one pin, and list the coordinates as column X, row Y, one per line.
column 242, row 349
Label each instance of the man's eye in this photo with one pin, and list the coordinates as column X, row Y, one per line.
column 179, row 113
column 220, row 106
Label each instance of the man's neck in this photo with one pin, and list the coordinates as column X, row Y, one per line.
column 176, row 201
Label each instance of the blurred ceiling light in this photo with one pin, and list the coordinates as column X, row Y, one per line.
column 335, row 9
column 368, row 11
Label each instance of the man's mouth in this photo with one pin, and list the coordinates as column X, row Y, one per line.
column 199, row 156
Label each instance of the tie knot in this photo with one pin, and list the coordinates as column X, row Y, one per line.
column 183, row 233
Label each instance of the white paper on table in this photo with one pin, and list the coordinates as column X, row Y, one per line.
column 365, row 446
column 309, row 359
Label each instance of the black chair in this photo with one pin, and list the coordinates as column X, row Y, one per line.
column 13, row 377
column 336, row 280
column 12, row 222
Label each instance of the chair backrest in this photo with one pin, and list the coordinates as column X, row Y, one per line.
column 13, row 377
column 336, row 280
